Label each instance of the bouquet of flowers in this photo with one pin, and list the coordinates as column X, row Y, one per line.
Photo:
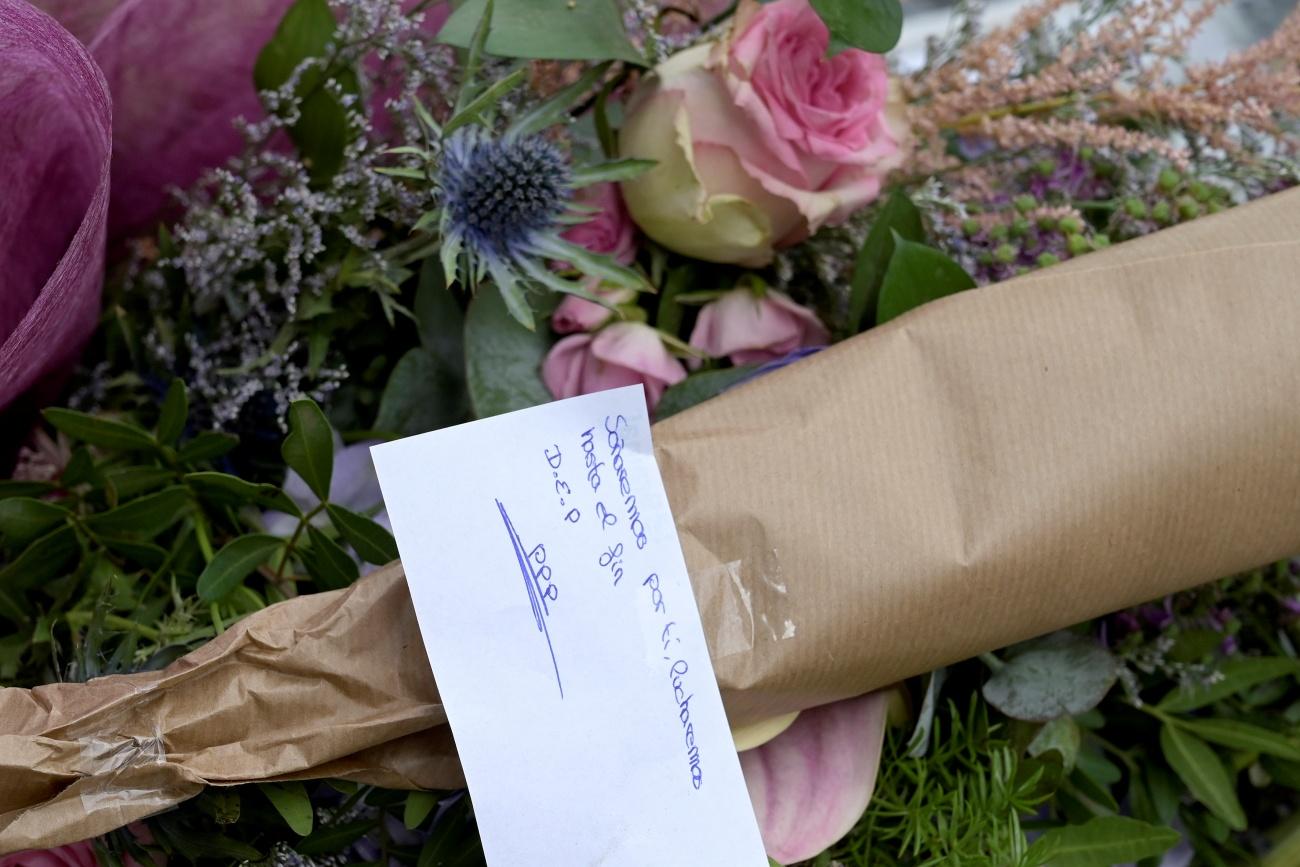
column 241, row 246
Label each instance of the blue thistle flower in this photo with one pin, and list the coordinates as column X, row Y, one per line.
column 502, row 196
column 505, row 202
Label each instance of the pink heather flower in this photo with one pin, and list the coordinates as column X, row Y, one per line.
column 611, row 231
column 578, row 314
column 810, row 784
column 624, row 353
column 754, row 329
column 760, row 138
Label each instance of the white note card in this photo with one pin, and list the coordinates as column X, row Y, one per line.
column 553, row 598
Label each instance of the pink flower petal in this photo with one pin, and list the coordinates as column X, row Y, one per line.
column 811, row 784
column 55, row 120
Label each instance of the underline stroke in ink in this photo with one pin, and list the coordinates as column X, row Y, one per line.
column 536, row 597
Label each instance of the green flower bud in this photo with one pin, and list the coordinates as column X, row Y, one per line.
column 1201, row 191
column 1136, row 208
column 1006, row 253
column 1168, row 179
column 1099, row 241
column 970, row 227
column 1188, row 208
column 1047, row 223
column 1071, row 225
column 1077, row 245
column 1161, row 212
column 1025, row 203
column 998, row 232
column 1046, row 168
column 1019, row 227
column 1047, row 259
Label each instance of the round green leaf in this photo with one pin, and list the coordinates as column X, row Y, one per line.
column 503, row 358
column 1061, row 675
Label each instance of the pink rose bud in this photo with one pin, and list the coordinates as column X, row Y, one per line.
column 611, row 231
column 751, row 329
column 624, row 353
column 760, row 138
column 578, row 314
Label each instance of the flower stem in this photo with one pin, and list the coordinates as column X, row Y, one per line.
column 81, row 618
column 292, row 544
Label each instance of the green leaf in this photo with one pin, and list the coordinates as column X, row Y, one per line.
column 1203, row 773
column 1243, row 736
column 40, row 561
column 233, row 563
column 1061, row 735
column 372, row 542
column 327, row 563
column 422, row 394
column 897, row 215
column 871, row 25
column 175, row 410
column 145, row 517
column 144, row 554
column 1237, row 674
column 916, row 275
column 329, row 839
column 103, row 432
column 474, row 109
column 440, row 319
column 555, row 108
column 22, row 519
column 1062, row 674
column 614, row 170
column 699, row 387
column 309, row 448
column 128, row 482
column 206, row 446
column 321, row 132
column 546, row 30
column 233, row 491
column 13, row 488
column 1101, row 842
column 503, row 359
column 292, row 803
column 418, row 807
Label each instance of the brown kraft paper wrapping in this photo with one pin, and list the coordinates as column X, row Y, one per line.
column 996, row 465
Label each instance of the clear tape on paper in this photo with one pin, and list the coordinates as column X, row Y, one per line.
column 750, row 601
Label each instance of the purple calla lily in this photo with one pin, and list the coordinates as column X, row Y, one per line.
column 55, row 136
column 811, row 783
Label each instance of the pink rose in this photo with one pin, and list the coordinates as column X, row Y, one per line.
column 760, row 138
column 610, row 231
column 74, row 855
column 578, row 314
column 624, row 353
column 753, row 329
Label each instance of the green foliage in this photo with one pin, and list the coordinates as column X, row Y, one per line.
column 916, row 275
column 503, row 359
column 546, row 29
column 699, row 387
column 898, row 217
column 870, row 25
column 1062, row 674
column 1100, row 842
column 309, row 448
column 292, row 803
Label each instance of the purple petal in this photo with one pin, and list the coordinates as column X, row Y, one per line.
column 180, row 72
column 810, row 784
column 55, row 120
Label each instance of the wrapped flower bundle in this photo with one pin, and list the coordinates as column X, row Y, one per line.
column 989, row 518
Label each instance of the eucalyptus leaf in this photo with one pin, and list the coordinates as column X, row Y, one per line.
column 1063, row 674
column 1204, row 774
column 371, row 541
column 916, row 275
column 292, row 803
column 175, row 409
column 699, row 387
column 897, row 215
column 1101, row 842
column 546, row 29
column 233, row 563
column 309, row 448
column 144, row 517
column 503, row 359
column 422, row 394
column 1061, row 735
column 97, row 431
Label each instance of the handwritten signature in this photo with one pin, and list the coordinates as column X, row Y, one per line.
column 533, row 580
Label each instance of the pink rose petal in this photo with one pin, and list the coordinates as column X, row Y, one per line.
column 811, row 783
column 55, row 120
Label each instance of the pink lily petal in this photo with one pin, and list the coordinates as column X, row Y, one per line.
column 55, row 120
column 811, row 783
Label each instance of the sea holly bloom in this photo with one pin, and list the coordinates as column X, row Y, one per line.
column 625, row 353
column 756, row 328
column 760, row 138
column 504, row 204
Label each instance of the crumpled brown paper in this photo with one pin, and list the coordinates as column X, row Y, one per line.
column 994, row 466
